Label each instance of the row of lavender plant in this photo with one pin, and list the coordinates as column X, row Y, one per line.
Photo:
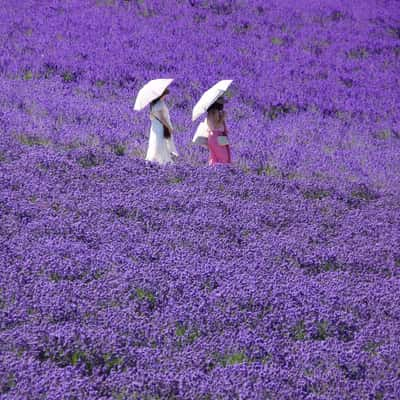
column 218, row 284
column 274, row 278
column 316, row 85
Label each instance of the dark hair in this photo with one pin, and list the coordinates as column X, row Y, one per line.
column 166, row 91
column 216, row 106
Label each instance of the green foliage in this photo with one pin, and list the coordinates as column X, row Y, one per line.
column 144, row 295
column 269, row 170
column 242, row 28
column 112, row 361
column 379, row 395
column 193, row 335
column 56, row 206
column 316, row 194
column 337, row 16
column 322, row 331
column 277, row 110
column 175, row 180
column 8, row 384
column 68, row 77
column 76, row 357
column 2, row 301
column 186, row 334
column 299, row 331
column 395, row 32
column 89, row 160
column 360, row 53
column 364, row 193
column 180, row 330
column 384, row 134
column 119, row 149
column 233, row 359
column 32, row 140
column 330, row 266
column 98, row 275
column 209, row 285
column 119, row 396
column 371, row 347
column 49, row 72
column 28, row 75
column 277, row 41
column 55, row 277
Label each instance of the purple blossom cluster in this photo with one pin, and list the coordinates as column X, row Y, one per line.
column 274, row 278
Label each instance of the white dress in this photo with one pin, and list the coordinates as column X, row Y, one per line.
column 160, row 148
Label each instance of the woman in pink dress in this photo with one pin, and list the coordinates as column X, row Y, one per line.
column 218, row 145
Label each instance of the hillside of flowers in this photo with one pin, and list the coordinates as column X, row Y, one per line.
column 276, row 277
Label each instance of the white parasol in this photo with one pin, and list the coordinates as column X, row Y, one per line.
column 150, row 91
column 201, row 135
column 210, row 97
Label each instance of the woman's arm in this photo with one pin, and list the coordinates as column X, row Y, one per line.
column 163, row 116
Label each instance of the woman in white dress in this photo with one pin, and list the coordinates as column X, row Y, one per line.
column 161, row 142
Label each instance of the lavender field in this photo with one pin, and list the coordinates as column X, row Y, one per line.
column 277, row 277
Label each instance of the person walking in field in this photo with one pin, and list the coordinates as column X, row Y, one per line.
column 212, row 132
column 218, row 144
column 161, row 147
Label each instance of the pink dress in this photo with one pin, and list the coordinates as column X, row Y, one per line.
column 219, row 154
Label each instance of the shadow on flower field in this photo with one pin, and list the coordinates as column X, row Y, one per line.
column 274, row 278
